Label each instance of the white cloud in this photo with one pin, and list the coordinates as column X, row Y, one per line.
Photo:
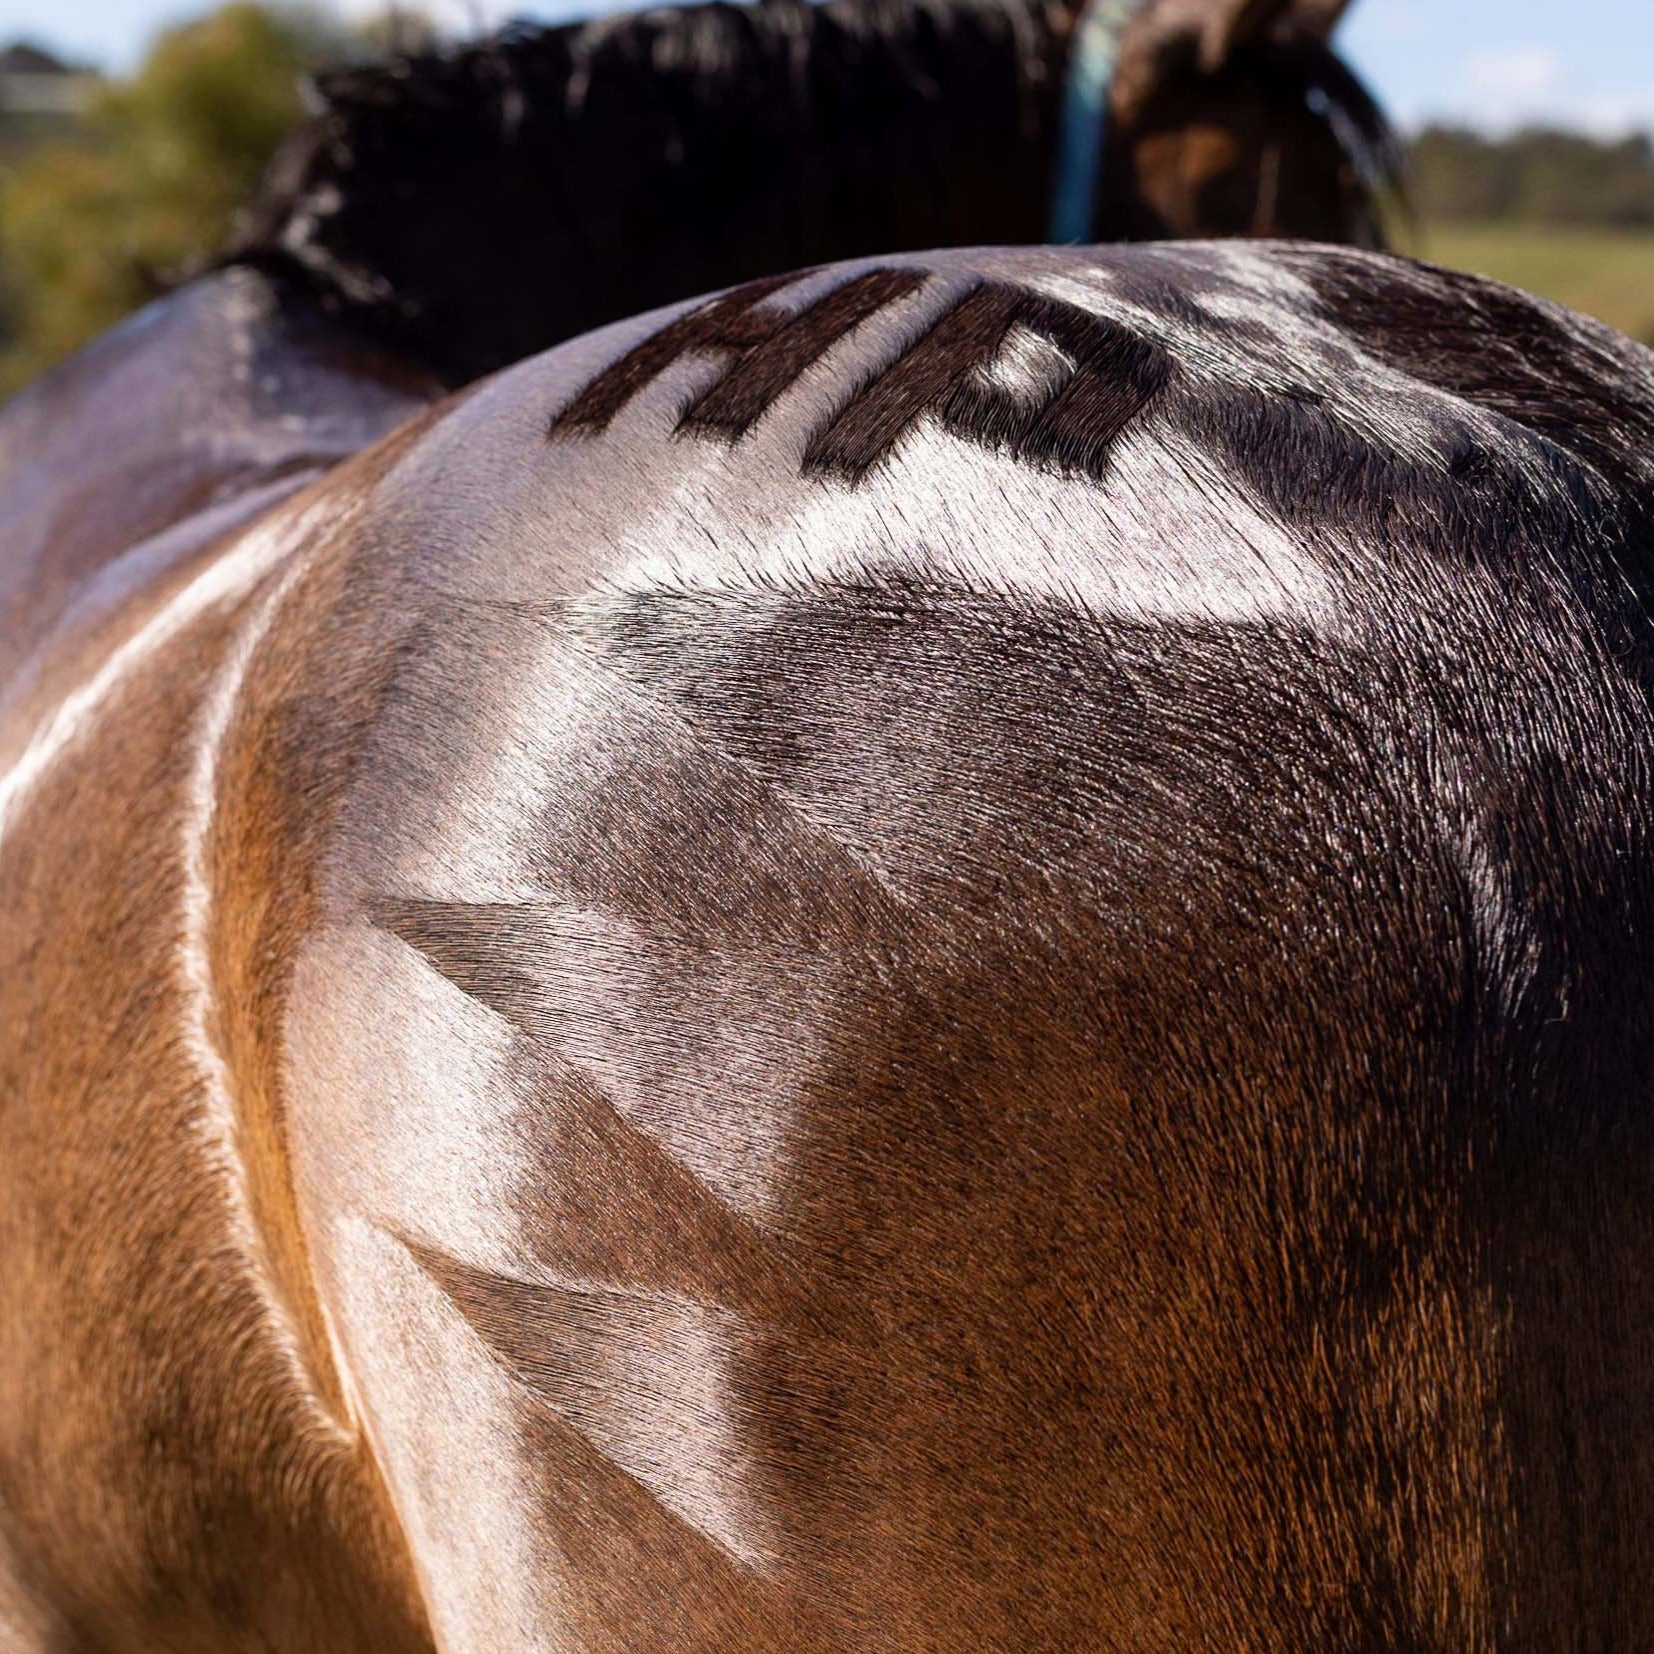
column 460, row 19
column 1610, row 115
column 1512, row 85
column 1507, row 87
column 1513, row 76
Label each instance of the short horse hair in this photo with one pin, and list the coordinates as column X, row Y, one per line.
column 953, row 952
column 1036, row 869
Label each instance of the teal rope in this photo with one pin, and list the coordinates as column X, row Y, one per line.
column 1085, row 118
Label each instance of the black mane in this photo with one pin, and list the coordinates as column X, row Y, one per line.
column 472, row 207
column 481, row 205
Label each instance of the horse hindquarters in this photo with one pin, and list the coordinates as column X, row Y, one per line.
column 940, row 1019
column 920, row 983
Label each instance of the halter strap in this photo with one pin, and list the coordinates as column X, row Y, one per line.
column 1085, row 118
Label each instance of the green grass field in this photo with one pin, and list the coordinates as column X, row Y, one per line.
column 1606, row 273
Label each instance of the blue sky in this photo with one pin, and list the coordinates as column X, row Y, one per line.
column 1494, row 63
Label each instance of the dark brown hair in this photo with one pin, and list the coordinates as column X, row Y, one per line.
column 476, row 206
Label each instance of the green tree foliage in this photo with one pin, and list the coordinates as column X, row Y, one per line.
column 1539, row 177
column 93, row 227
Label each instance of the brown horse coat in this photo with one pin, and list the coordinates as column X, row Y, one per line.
column 947, row 955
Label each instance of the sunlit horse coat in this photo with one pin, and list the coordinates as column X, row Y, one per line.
column 949, row 955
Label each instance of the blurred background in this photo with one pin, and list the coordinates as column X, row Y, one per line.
column 131, row 130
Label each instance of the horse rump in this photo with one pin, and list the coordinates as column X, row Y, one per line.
column 947, row 953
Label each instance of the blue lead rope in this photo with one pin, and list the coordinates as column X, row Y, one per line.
column 1085, row 118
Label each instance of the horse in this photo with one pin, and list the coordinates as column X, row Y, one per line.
column 951, row 953
column 451, row 213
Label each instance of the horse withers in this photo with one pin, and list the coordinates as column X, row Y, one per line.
column 947, row 954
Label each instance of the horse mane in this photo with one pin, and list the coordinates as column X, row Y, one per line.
column 471, row 207
column 476, row 205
